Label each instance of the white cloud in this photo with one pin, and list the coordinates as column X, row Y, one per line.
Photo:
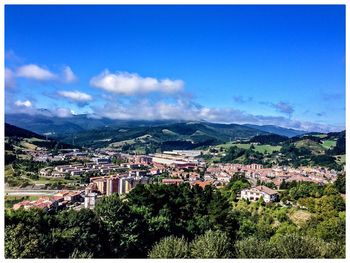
column 75, row 95
column 26, row 103
column 63, row 112
column 133, row 84
column 10, row 79
column 68, row 75
column 33, row 71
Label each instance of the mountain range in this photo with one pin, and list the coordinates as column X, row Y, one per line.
column 83, row 130
column 42, row 124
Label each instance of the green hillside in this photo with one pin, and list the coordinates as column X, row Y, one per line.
column 188, row 135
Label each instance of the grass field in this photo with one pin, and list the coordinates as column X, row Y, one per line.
column 131, row 141
column 320, row 135
column 299, row 217
column 341, row 159
column 19, row 198
column 259, row 148
column 28, row 145
column 44, row 180
column 11, row 200
column 313, row 146
column 329, row 144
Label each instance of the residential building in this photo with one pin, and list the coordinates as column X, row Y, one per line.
column 254, row 194
column 172, row 181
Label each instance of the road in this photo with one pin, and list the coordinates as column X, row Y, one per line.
column 21, row 192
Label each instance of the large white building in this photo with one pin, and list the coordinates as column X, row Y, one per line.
column 254, row 194
column 185, row 153
column 177, row 158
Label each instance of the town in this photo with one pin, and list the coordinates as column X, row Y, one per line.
column 112, row 172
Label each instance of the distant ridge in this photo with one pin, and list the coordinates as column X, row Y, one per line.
column 42, row 124
column 277, row 130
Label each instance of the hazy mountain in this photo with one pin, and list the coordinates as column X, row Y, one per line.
column 66, row 126
column 277, row 130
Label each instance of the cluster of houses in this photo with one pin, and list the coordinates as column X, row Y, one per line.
column 78, row 169
column 276, row 174
column 43, row 155
column 175, row 167
column 62, row 199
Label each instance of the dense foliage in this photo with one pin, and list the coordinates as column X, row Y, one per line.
column 340, row 145
column 161, row 221
column 249, row 156
column 272, row 139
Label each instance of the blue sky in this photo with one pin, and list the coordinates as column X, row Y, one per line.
column 280, row 65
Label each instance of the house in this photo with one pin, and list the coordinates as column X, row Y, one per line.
column 70, row 196
column 137, row 173
column 43, row 203
column 254, row 193
column 172, row 181
column 155, row 171
column 75, row 172
column 73, row 197
column 101, row 160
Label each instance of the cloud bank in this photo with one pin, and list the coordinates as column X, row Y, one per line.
column 188, row 111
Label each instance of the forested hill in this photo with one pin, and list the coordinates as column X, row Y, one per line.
column 14, row 131
column 19, row 138
column 272, row 139
column 185, row 135
column 63, row 127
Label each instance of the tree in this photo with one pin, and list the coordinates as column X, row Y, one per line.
column 264, row 229
column 27, row 234
column 332, row 229
column 77, row 233
column 213, row 244
column 252, row 247
column 340, row 183
column 235, row 186
column 300, row 246
column 125, row 229
column 330, row 189
column 78, row 254
column 22, row 241
column 170, row 247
